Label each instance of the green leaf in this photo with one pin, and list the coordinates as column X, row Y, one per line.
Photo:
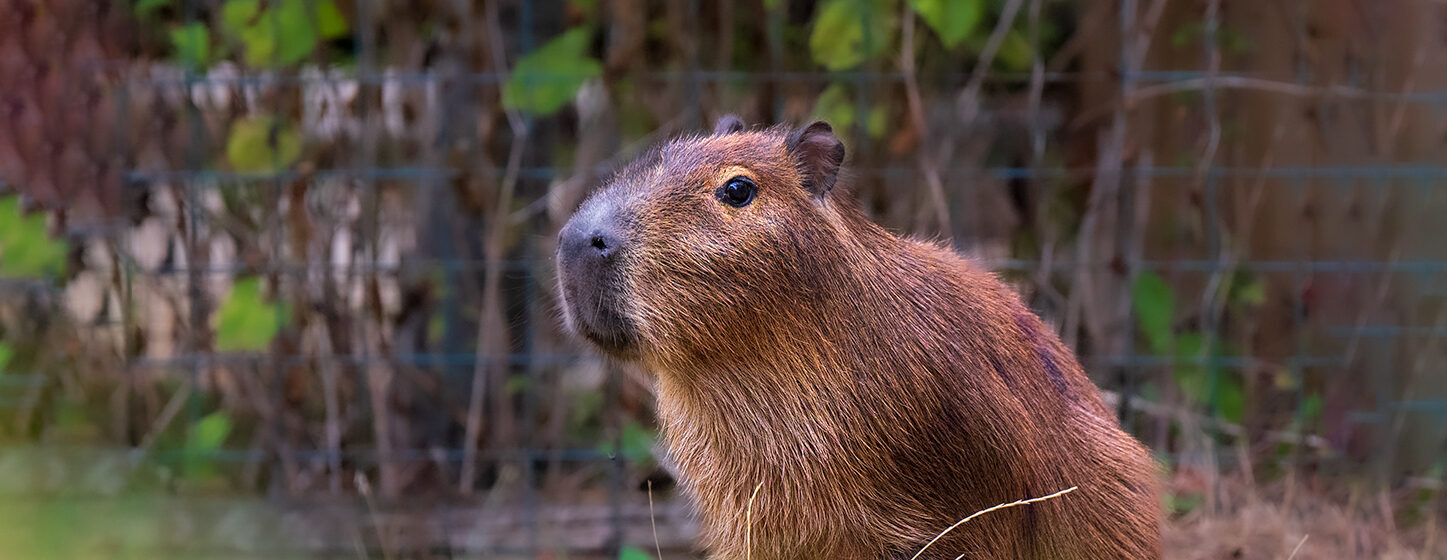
column 1154, row 309
column 1192, row 382
column 833, row 106
column 516, row 384
column 1182, row 503
column 1188, row 372
column 193, row 44
column 259, row 46
column 635, row 443
column 1308, row 413
column 246, row 321
column 331, row 24
column 878, row 121
column 1016, row 54
column 1230, row 398
column 547, row 79
column 203, row 441
column 1310, row 409
column 1249, row 291
column 295, row 29
column 1186, row 33
column 262, row 144
column 1189, row 346
column 1232, row 41
column 209, row 433
column 837, row 107
column 285, row 33
column 849, row 32
column 144, row 8
column 631, row 553
column 952, row 20
column 583, row 6
column 6, row 352
column 26, row 248
column 237, row 15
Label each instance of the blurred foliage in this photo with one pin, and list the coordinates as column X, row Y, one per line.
column 633, row 553
column 67, row 502
column 284, row 32
column 847, row 33
column 206, row 437
column 26, row 247
column 1182, row 503
column 546, row 79
column 262, row 144
column 193, row 44
column 836, row 106
column 635, row 443
column 1229, row 40
column 268, row 34
column 1016, row 54
column 1154, row 310
column 145, row 8
column 246, row 321
column 63, row 529
column 953, row 20
column 1195, row 354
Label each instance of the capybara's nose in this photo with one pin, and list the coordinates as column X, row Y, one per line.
column 590, row 242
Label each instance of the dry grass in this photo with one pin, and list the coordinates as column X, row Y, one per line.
column 1276, row 521
column 1273, row 522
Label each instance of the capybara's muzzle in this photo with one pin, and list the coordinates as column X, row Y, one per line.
column 590, row 250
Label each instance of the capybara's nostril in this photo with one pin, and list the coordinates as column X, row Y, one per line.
column 601, row 244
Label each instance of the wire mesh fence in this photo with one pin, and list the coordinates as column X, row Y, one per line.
column 301, row 301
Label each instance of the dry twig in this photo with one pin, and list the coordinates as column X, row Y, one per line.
column 653, row 520
column 988, row 510
column 488, row 336
column 1298, row 547
column 749, row 523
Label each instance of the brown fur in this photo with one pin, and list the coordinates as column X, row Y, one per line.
column 881, row 388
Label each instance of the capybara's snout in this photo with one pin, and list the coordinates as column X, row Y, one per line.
column 590, row 250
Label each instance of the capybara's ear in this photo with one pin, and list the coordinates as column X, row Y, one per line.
column 728, row 124
column 819, row 154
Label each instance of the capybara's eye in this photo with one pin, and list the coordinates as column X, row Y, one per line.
column 737, row 192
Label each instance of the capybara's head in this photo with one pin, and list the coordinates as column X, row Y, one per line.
column 694, row 246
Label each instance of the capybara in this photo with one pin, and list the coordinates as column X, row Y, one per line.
column 881, row 388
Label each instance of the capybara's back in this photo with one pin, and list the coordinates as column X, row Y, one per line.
column 874, row 389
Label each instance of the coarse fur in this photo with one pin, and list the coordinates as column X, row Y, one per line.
column 881, row 388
